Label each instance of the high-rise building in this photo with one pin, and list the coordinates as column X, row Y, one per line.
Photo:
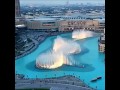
column 67, row 3
column 17, row 8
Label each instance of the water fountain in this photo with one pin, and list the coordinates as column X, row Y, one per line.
column 81, row 34
column 62, row 49
column 50, row 60
column 66, row 46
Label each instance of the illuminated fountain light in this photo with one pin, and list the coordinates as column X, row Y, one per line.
column 71, row 62
column 66, row 46
column 81, row 34
column 59, row 55
column 50, row 60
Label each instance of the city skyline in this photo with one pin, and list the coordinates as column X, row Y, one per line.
column 60, row 2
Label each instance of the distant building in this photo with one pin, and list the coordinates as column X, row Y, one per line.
column 102, row 43
column 96, row 15
column 101, row 25
column 20, row 20
column 67, row 3
column 75, row 23
column 67, row 23
column 43, row 24
column 17, row 8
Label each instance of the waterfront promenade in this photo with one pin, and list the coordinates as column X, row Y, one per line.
column 68, row 82
column 37, row 38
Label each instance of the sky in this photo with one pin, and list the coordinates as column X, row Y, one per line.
column 54, row 2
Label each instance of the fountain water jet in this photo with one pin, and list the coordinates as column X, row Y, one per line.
column 66, row 46
column 50, row 60
column 62, row 48
column 81, row 34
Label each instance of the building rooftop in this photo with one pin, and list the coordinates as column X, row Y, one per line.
column 48, row 19
column 20, row 26
column 101, row 20
column 77, row 16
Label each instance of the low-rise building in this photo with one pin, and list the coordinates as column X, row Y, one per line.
column 67, row 23
column 75, row 24
column 102, row 43
column 43, row 24
column 20, row 20
column 63, row 23
column 101, row 25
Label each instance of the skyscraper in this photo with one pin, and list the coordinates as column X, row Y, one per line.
column 67, row 3
column 17, row 8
